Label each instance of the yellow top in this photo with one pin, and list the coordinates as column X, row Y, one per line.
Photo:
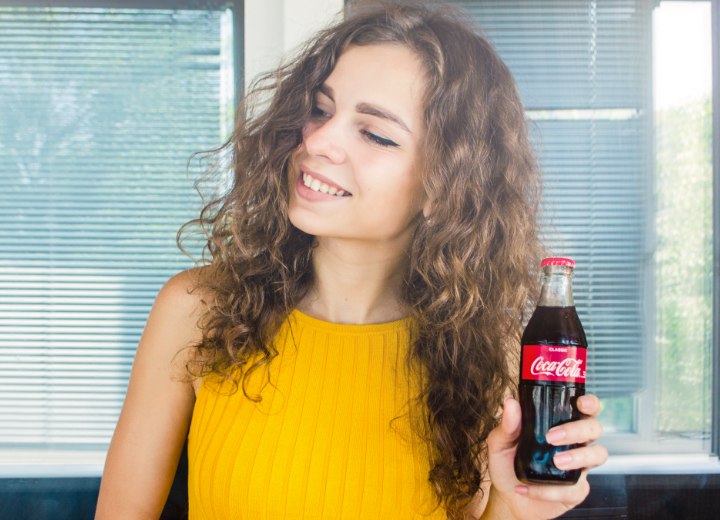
column 320, row 444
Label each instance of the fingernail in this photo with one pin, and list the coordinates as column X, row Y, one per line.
column 584, row 401
column 562, row 459
column 521, row 490
column 554, row 436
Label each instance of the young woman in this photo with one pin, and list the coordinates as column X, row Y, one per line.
column 349, row 351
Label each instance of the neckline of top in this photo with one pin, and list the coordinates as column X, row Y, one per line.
column 354, row 328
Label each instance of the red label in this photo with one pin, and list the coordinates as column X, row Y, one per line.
column 556, row 363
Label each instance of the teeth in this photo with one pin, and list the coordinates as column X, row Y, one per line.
column 316, row 185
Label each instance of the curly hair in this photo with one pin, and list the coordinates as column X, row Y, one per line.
column 473, row 264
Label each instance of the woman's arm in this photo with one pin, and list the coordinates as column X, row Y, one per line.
column 154, row 421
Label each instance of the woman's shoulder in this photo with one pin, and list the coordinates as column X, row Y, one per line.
column 185, row 290
column 177, row 312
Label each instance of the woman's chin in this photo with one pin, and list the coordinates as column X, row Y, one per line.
column 302, row 224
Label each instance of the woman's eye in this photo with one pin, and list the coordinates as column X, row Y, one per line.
column 319, row 112
column 378, row 140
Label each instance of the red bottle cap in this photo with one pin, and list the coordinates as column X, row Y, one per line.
column 565, row 262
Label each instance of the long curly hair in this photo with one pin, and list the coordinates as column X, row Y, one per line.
column 473, row 263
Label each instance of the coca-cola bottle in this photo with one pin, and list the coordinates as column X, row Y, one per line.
column 552, row 375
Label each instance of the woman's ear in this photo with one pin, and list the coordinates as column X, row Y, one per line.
column 427, row 209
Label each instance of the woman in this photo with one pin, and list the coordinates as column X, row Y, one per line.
column 352, row 342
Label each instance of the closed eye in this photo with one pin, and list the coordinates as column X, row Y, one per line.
column 318, row 112
column 378, row 140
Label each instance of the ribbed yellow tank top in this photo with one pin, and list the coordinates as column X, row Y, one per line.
column 320, row 444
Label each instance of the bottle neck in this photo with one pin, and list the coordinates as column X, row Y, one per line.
column 556, row 287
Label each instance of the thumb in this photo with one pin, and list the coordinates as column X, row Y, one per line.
column 505, row 436
column 502, row 445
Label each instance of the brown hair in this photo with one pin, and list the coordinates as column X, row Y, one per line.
column 472, row 264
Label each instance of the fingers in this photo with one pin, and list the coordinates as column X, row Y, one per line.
column 585, row 457
column 581, row 431
column 576, row 432
column 589, row 405
column 568, row 495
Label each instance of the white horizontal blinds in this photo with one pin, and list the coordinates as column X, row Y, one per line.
column 100, row 109
column 583, row 72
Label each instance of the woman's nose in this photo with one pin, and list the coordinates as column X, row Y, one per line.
column 325, row 139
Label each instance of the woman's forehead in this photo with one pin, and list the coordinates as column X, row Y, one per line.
column 379, row 75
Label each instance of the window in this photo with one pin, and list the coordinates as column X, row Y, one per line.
column 683, row 218
column 618, row 93
column 101, row 109
column 102, row 104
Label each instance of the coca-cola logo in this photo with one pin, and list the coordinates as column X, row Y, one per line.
column 569, row 368
column 557, row 363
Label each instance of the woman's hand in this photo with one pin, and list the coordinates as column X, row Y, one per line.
column 509, row 496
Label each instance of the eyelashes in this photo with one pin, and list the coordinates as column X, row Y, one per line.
column 378, row 140
column 319, row 114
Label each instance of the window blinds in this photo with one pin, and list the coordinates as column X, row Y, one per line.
column 583, row 70
column 100, row 110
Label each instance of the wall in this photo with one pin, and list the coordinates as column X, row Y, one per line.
column 274, row 28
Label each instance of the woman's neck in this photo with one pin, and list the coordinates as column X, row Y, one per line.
column 354, row 283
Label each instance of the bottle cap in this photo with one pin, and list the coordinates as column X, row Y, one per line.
column 565, row 262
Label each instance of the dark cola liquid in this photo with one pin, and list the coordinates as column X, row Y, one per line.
column 546, row 404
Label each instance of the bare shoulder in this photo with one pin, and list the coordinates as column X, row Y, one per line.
column 156, row 415
column 176, row 314
column 180, row 298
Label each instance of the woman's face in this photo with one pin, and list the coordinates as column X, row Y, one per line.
column 354, row 176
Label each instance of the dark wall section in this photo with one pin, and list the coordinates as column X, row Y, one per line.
column 608, row 499
column 75, row 498
column 651, row 497
column 674, row 497
column 48, row 498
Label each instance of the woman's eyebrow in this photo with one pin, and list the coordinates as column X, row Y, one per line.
column 367, row 108
column 372, row 110
column 328, row 91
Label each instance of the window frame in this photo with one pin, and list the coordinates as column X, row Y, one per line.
column 644, row 442
column 715, row 150
column 237, row 7
column 25, row 462
column 646, row 410
column 715, row 38
column 640, row 443
column 640, row 453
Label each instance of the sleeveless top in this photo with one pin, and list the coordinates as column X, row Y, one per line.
column 320, row 443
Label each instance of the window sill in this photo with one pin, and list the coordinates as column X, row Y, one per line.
column 25, row 463
column 18, row 463
column 659, row 464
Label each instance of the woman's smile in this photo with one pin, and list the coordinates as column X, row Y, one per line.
column 317, row 184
